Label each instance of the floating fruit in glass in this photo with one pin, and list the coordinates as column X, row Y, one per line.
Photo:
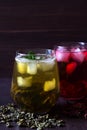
column 72, row 63
column 35, row 82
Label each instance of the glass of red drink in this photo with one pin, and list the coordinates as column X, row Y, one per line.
column 72, row 63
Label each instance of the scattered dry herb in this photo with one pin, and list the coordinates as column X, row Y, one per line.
column 10, row 115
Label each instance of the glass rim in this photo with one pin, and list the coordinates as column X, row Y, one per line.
column 69, row 43
column 69, row 46
column 49, row 53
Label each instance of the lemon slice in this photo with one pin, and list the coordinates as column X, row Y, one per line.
column 49, row 85
column 24, row 82
column 22, row 67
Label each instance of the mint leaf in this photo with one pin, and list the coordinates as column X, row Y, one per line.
column 30, row 55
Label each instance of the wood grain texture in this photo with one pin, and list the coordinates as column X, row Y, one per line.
column 43, row 15
column 27, row 24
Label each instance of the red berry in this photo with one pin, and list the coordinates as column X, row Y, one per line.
column 71, row 67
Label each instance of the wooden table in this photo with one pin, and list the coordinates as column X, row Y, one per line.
column 5, row 98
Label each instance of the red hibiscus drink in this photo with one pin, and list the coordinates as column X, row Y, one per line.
column 72, row 63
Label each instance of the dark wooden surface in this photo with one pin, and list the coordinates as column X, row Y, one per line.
column 38, row 23
column 5, row 98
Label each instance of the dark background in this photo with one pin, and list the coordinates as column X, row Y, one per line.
column 38, row 23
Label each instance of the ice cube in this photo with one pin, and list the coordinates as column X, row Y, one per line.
column 62, row 56
column 49, row 85
column 32, row 68
column 78, row 55
column 24, row 82
column 46, row 66
column 21, row 59
column 21, row 67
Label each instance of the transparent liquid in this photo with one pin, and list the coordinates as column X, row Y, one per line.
column 73, row 73
column 35, row 83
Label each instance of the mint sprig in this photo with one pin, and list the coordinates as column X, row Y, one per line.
column 30, row 55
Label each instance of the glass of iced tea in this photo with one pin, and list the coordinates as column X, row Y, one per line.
column 35, row 81
column 72, row 62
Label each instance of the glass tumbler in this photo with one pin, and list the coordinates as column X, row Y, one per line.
column 72, row 62
column 35, row 81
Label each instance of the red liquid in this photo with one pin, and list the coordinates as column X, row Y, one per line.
column 73, row 73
